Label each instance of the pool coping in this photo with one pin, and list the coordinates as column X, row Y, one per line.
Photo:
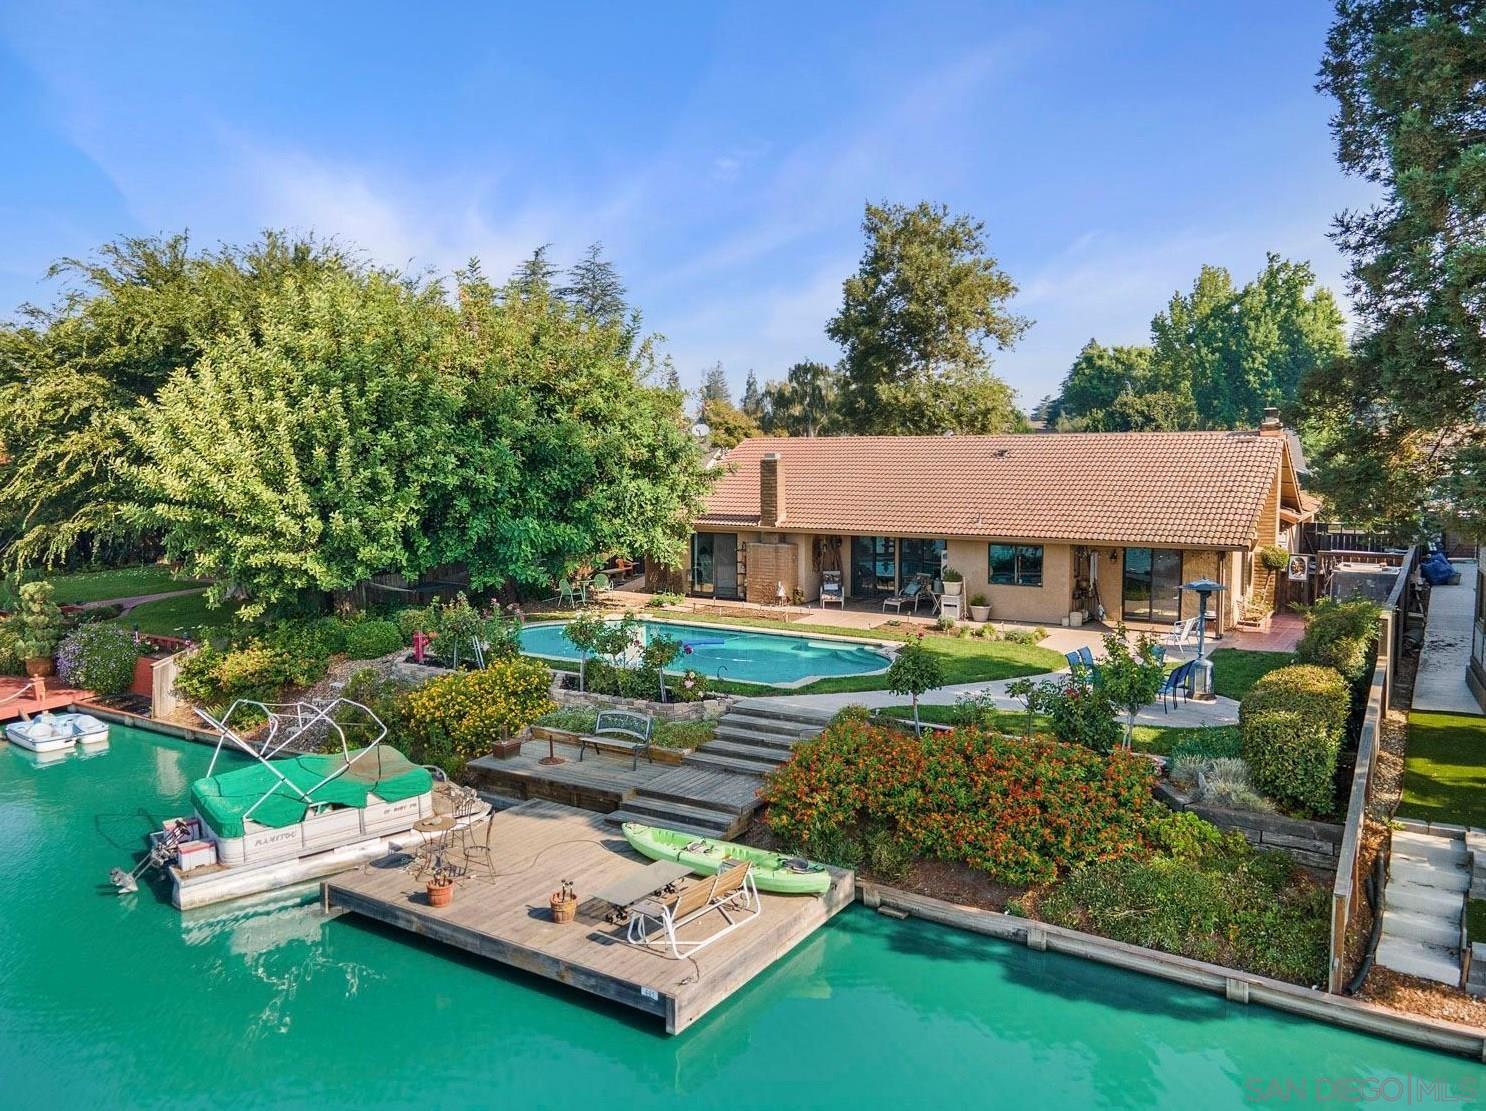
column 887, row 649
column 1235, row 984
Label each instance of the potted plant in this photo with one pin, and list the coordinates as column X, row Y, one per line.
column 954, row 582
column 980, row 607
column 564, row 903
column 441, row 887
column 40, row 628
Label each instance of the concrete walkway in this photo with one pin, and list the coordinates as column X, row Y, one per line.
column 1186, row 715
column 1440, row 684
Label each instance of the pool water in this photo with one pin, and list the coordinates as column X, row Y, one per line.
column 109, row 1001
column 730, row 652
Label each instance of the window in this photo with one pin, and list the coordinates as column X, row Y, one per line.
column 1016, row 565
column 919, row 557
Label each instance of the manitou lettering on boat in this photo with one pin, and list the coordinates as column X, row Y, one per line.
column 292, row 815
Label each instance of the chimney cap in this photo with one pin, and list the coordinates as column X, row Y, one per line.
column 1271, row 419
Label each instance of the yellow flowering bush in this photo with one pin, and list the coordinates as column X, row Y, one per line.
column 466, row 713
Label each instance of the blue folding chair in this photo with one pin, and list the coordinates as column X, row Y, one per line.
column 1178, row 684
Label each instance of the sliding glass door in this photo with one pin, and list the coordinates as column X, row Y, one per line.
column 714, row 564
column 874, row 566
column 1153, row 585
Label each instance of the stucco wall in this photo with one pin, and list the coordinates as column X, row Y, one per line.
column 1047, row 604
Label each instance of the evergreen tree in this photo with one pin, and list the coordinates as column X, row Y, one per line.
column 594, row 286
column 753, row 397
column 715, row 385
column 534, row 277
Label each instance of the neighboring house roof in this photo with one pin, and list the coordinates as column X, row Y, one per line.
column 1179, row 489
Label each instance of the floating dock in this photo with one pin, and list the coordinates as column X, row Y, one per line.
column 536, row 846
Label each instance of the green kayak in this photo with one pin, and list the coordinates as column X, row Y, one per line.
column 775, row 872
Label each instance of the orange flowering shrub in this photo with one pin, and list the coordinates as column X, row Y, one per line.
column 1021, row 810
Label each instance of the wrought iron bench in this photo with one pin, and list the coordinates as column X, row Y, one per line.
column 621, row 723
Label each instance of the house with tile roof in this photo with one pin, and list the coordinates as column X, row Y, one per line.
column 1045, row 526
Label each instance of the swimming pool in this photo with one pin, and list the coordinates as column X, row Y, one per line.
column 109, row 1001
column 732, row 652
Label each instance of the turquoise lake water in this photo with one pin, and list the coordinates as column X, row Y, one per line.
column 109, row 1001
column 730, row 652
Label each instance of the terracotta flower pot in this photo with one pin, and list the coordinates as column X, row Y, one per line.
column 40, row 666
column 440, row 894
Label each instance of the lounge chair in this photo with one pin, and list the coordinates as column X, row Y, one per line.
column 831, row 590
column 730, row 894
column 1180, row 637
column 1178, row 684
column 910, row 594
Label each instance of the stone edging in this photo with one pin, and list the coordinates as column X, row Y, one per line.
column 1236, row 985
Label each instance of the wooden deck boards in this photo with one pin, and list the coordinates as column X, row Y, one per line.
column 537, row 845
column 695, row 784
column 58, row 696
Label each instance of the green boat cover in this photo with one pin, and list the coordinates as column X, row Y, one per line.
column 224, row 800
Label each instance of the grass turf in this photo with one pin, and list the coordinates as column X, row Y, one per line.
column 122, row 582
column 1156, row 739
column 176, row 617
column 1475, row 919
column 1235, row 670
column 1444, row 776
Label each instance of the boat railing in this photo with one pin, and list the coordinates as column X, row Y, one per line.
column 305, row 715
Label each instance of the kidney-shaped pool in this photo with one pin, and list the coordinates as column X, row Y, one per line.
column 729, row 652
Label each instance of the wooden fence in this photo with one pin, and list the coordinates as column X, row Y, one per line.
column 1346, row 889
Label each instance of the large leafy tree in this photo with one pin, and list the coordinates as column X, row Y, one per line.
column 564, row 452
column 916, row 325
column 727, row 425
column 1402, row 420
column 803, row 404
column 130, row 316
column 300, row 453
column 1219, row 355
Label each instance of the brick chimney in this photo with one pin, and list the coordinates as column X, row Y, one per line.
column 771, row 490
column 1270, row 425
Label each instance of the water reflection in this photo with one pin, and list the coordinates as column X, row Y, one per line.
column 280, row 940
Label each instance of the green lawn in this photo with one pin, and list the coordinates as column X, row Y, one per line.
column 1236, row 670
column 1444, row 775
column 177, row 617
column 123, row 582
column 1475, row 919
column 1156, row 739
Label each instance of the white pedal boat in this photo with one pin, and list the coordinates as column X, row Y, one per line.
column 57, row 732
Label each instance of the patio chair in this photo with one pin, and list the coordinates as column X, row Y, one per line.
column 1180, row 637
column 570, row 593
column 831, row 590
column 600, row 585
column 1178, row 684
column 730, row 894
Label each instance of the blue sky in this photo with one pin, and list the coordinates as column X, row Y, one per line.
column 722, row 153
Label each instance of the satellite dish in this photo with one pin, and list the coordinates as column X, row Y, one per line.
column 700, row 430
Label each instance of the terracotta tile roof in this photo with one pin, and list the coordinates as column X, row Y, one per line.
column 1195, row 489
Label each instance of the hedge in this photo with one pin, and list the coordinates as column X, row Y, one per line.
column 1293, row 721
column 1340, row 635
column 367, row 640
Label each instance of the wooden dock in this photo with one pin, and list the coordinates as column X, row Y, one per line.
column 538, row 844
column 55, row 695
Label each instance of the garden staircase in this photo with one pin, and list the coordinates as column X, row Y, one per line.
column 1429, row 875
column 757, row 735
column 715, row 790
